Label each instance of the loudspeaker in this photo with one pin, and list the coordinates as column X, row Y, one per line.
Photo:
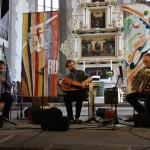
column 56, row 123
column 53, row 111
column 142, row 120
column 34, row 113
column 111, row 95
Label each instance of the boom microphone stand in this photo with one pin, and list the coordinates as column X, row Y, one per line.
column 7, row 72
column 42, row 114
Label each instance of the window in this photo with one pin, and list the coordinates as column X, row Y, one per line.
column 48, row 5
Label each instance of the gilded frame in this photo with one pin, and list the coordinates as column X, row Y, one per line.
column 98, row 70
column 98, row 18
column 98, row 46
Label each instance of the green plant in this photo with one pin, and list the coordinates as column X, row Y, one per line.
column 146, row 12
column 109, row 74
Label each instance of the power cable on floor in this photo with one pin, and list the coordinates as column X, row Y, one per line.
column 146, row 148
column 30, row 139
column 140, row 137
column 12, row 128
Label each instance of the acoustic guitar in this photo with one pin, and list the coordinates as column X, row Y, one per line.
column 69, row 84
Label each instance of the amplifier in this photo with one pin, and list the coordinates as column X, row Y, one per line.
column 111, row 95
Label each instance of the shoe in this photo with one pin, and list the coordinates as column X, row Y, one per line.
column 71, row 119
column 77, row 121
column 129, row 119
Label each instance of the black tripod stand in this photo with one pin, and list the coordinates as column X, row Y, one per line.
column 3, row 119
column 115, row 122
column 19, row 94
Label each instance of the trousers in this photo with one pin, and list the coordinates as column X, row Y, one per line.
column 74, row 96
column 7, row 99
column 132, row 98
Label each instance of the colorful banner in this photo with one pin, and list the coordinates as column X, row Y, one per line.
column 136, row 37
column 40, row 54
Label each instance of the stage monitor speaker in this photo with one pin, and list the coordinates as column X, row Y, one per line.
column 142, row 120
column 34, row 113
column 55, row 123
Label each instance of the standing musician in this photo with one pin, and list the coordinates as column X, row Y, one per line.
column 76, row 94
column 5, row 88
column 140, row 92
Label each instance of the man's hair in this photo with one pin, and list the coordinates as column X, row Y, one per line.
column 68, row 62
column 2, row 62
column 147, row 54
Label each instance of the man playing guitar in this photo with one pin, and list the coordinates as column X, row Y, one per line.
column 74, row 86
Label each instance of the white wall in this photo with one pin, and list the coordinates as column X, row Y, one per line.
column 21, row 8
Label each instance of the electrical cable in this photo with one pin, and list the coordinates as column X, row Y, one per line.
column 30, row 139
column 140, row 137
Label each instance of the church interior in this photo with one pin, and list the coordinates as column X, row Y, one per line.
column 106, row 40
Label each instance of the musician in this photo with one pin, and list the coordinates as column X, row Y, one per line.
column 78, row 95
column 5, row 87
column 132, row 98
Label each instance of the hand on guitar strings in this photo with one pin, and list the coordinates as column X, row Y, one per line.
column 84, row 84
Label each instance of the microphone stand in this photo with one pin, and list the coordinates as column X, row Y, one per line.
column 115, row 101
column 19, row 93
column 7, row 72
column 42, row 73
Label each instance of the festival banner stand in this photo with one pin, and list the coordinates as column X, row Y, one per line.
column 40, row 53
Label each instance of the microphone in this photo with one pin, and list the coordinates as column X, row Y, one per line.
column 41, row 72
column 121, row 72
column 43, row 67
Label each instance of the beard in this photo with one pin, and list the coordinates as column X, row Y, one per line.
column 73, row 70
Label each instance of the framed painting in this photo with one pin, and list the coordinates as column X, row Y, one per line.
column 93, row 1
column 97, row 18
column 98, row 46
column 98, row 71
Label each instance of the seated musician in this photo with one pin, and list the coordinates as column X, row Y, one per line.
column 75, row 93
column 5, row 87
column 140, row 92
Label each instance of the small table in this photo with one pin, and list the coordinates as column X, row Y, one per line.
column 92, row 87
